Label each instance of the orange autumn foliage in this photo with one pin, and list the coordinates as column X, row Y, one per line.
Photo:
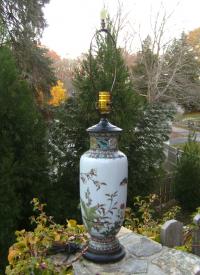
column 58, row 94
column 193, row 39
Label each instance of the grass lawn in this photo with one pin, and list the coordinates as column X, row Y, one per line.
column 181, row 120
column 179, row 146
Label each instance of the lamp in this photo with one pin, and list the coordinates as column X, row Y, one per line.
column 103, row 180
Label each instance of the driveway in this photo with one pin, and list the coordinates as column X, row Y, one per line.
column 180, row 135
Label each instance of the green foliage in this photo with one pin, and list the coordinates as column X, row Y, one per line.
column 23, row 18
column 21, row 26
column 3, row 34
column 35, row 67
column 171, row 213
column 23, row 159
column 98, row 76
column 89, row 214
column 187, row 177
column 145, row 219
column 197, row 211
column 188, row 230
column 182, row 248
column 141, row 220
column 30, row 253
column 89, row 80
column 64, row 151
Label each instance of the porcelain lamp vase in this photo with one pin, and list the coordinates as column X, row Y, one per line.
column 103, row 192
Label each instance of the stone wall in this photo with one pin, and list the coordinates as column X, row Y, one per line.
column 143, row 256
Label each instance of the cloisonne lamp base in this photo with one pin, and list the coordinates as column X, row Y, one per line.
column 103, row 192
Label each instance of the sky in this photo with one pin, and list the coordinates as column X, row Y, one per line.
column 72, row 23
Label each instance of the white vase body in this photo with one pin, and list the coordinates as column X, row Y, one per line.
column 103, row 193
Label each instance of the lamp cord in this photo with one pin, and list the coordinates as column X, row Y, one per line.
column 68, row 248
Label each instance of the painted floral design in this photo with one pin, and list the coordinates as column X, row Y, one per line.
column 89, row 215
column 99, row 216
column 88, row 198
column 124, row 181
column 91, row 177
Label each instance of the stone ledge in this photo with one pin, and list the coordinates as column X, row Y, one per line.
column 143, row 256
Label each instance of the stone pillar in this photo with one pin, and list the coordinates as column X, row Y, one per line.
column 196, row 236
column 172, row 233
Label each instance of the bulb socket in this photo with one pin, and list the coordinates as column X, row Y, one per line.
column 104, row 102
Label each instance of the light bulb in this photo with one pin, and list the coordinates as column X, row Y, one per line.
column 103, row 14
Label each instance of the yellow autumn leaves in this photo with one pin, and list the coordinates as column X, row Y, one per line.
column 71, row 223
column 58, row 94
column 13, row 253
column 30, row 250
column 193, row 39
column 33, row 240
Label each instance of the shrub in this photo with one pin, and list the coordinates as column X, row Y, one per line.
column 144, row 219
column 29, row 255
column 23, row 160
column 187, row 176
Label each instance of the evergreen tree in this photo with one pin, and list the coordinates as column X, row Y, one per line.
column 187, row 176
column 23, row 159
column 21, row 25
